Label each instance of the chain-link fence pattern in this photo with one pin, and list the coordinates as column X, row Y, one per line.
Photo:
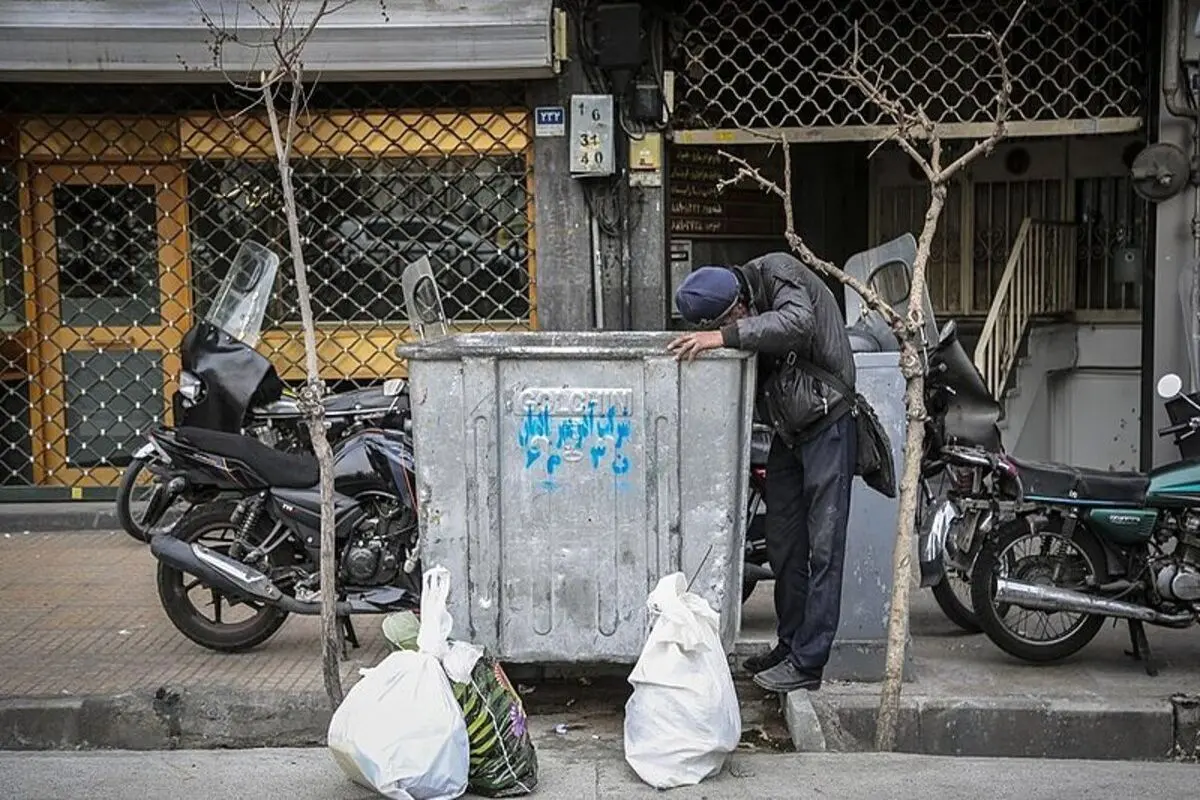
column 120, row 208
column 769, row 63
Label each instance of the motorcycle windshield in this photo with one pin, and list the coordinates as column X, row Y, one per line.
column 241, row 301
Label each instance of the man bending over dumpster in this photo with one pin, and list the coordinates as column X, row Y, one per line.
column 779, row 308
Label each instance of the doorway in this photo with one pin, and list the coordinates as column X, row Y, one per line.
column 108, row 290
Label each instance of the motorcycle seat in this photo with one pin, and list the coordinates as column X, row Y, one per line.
column 372, row 400
column 276, row 468
column 1066, row 482
column 361, row 401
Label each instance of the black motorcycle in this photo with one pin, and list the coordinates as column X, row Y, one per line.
column 226, row 385
column 254, row 544
column 262, row 552
column 961, row 413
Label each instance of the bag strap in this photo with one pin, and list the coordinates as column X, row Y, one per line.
column 849, row 395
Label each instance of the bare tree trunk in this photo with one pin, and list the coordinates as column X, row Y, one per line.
column 912, row 366
column 897, row 629
column 311, row 397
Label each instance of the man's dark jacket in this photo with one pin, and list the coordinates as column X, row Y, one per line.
column 794, row 311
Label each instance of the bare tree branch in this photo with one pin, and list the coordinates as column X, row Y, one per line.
column 746, row 171
column 1003, row 99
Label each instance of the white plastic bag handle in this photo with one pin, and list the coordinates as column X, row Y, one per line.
column 436, row 622
column 682, row 611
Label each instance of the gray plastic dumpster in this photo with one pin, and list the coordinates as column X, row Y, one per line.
column 560, row 475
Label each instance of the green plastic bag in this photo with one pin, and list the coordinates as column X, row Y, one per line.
column 503, row 759
column 400, row 629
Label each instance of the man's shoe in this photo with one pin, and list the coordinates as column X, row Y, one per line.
column 786, row 677
column 757, row 664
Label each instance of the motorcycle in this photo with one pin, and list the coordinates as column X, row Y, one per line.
column 961, row 413
column 266, row 558
column 1087, row 544
column 226, row 385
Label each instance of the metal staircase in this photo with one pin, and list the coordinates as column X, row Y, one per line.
column 1037, row 285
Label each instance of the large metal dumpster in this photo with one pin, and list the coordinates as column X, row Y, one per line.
column 560, row 475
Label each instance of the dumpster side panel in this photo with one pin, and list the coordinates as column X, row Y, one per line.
column 716, row 401
column 436, row 389
column 558, row 492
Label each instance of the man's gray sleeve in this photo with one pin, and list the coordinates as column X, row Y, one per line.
column 787, row 326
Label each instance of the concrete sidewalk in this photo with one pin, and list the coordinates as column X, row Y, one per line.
column 87, row 658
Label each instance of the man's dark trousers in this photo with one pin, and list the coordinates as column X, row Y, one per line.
column 808, row 508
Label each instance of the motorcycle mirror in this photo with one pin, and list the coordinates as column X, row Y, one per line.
column 1169, row 386
column 393, row 387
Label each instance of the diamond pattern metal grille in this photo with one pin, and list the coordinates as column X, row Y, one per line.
column 120, row 208
column 763, row 64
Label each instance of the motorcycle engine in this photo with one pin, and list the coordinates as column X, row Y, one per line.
column 373, row 555
column 368, row 562
column 1180, row 580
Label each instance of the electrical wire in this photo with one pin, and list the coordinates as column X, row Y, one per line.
column 615, row 206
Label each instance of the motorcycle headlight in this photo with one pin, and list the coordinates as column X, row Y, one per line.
column 190, row 387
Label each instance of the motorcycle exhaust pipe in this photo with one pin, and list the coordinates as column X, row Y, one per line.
column 231, row 576
column 220, row 572
column 1052, row 598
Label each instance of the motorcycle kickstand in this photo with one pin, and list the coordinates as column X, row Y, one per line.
column 348, row 636
column 1141, row 647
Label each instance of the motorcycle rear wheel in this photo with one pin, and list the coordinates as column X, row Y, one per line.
column 983, row 590
column 174, row 587
column 130, row 523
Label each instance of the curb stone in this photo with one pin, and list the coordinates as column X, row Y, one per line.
column 803, row 723
column 165, row 720
column 176, row 718
column 1186, row 710
column 1012, row 726
column 822, row 721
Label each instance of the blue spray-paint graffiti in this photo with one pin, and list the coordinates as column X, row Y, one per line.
column 596, row 437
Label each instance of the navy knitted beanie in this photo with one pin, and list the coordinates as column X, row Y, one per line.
column 706, row 294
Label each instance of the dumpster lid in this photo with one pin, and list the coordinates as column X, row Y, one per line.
column 554, row 344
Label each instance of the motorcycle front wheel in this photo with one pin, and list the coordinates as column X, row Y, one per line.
column 1039, row 556
column 185, row 597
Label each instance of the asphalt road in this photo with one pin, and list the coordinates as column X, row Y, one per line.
column 305, row 774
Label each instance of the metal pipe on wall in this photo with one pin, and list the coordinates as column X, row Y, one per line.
column 1175, row 49
column 597, row 275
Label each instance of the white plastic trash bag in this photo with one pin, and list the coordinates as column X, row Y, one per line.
column 399, row 730
column 683, row 719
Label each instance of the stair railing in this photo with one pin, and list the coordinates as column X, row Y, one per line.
column 1038, row 281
